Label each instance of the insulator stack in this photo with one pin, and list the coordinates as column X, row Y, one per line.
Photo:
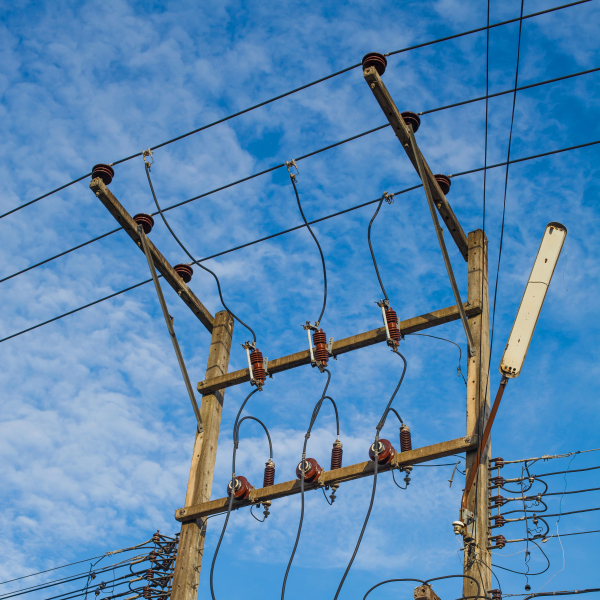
column 444, row 183
column 105, row 172
column 374, row 59
column 411, row 118
column 147, row 593
column 184, row 271
column 146, row 221
column 498, row 463
column 336, row 455
column 498, row 500
column 385, row 449
column 499, row 521
column 500, row 541
column 497, row 481
column 320, row 342
column 269, row 478
column 258, row 370
column 392, row 322
column 405, row 441
column 241, row 488
column 311, row 469
column 149, row 574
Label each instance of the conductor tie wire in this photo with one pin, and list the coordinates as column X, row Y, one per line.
column 194, row 261
column 289, row 164
column 315, row 413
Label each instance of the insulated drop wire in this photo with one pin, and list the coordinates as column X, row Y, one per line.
column 191, row 257
column 293, row 178
column 371, row 248
column 230, row 505
column 312, row 421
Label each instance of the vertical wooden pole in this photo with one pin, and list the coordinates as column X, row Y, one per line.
column 191, row 542
column 477, row 562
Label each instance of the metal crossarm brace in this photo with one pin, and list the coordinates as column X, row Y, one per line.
column 362, row 340
column 160, row 262
column 169, row 322
column 336, row 476
column 440, row 236
column 401, row 130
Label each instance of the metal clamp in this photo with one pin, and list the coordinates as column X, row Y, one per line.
column 247, row 346
column 148, row 153
column 289, row 164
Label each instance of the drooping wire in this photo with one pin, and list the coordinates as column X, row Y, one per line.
column 236, row 432
column 459, row 370
column 141, row 283
column 527, row 574
column 384, row 197
column 264, row 103
column 293, row 179
column 376, row 462
column 147, row 165
column 314, row 415
column 269, row 170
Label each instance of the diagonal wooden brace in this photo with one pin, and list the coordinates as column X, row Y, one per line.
column 160, row 262
column 401, row 130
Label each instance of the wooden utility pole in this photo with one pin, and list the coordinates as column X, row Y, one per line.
column 191, row 542
column 477, row 562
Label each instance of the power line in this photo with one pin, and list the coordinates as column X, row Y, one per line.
column 274, row 235
column 279, row 97
column 281, row 165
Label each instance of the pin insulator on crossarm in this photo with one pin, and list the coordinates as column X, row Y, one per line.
column 385, row 451
column 375, row 59
column 444, row 183
column 411, row 118
column 184, row 271
column 241, row 488
column 269, row 478
column 146, row 221
column 311, row 469
column 336, row 455
column 105, row 172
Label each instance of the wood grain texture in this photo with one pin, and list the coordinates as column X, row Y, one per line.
column 478, row 408
column 191, row 540
column 357, row 471
column 362, row 340
column 160, row 262
column 395, row 119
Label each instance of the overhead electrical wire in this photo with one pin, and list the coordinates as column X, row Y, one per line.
column 295, row 90
column 513, row 161
column 460, row 373
column 147, row 166
column 279, row 166
column 314, row 416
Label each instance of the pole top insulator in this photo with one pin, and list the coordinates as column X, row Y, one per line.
column 146, row 221
column 105, row 172
column 374, row 59
column 184, row 271
column 411, row 118
column 444, row 183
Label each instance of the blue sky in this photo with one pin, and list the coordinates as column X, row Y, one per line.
column 97, row 430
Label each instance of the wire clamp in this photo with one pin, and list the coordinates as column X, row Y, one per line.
column 251, row 346
column 389, row 198
column 289, row 164
column 146, row 153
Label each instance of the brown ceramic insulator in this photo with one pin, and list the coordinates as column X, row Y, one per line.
column 374, row 59
column 184, row 271
column 103, row 171
column 500, row 541
column 499, row 521
column 498, row 462
column 320, row 342
column 146, row 221
column 444, row 183
column 498, row 500
column 242, row 488
column 147, row 593
column 312, row 470
column 336, row 455
column 256, row 359
column 496, row 594
column 392, row 322
column 498, row 481
column 411, row 118
column 269, row 478
column 149, row 574
column 405, row 440
column 386, row 452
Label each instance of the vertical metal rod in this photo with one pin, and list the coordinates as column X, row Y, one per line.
column 169, row 323
column 439, row 232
